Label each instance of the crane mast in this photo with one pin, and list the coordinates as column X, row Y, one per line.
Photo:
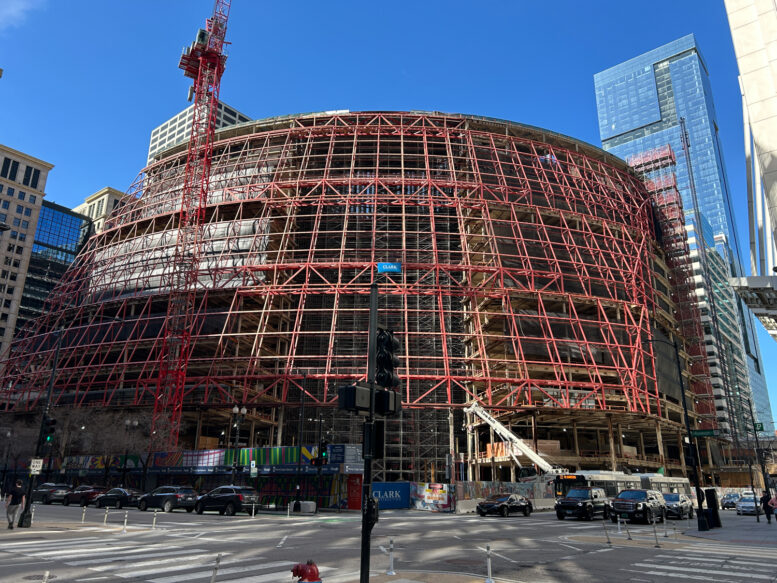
column 203, row 61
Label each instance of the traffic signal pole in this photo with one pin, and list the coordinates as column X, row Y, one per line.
column 25, row 519
column 369, row 437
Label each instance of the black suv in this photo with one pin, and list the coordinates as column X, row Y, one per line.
column 647, row 505
column 228, row 500
column 583, row 503
column 168, row 498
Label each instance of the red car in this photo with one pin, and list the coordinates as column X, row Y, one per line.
column 83, row 495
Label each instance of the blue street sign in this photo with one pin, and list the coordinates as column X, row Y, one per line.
column 389, row 268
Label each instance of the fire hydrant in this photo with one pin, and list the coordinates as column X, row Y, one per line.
column 307, row 573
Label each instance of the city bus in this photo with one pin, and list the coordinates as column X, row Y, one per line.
column 612, row 482
column 666, row 484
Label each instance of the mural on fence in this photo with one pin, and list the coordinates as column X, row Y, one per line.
column 432, row 497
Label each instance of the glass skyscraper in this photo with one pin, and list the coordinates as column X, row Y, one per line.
column 59, row 236
column 640, row 103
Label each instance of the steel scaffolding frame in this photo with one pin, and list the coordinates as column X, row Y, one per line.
column 526, row 280
column 657, row 168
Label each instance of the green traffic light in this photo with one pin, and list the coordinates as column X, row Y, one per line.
column 48, row 438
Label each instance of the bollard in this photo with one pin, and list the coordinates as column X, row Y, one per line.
column 488, row 564
column 105, row 520
column 32, row 515
column 607, row 534
column 655, row 534
column 666, row 528
column 689, row 520
column 124, row 530
column 153, row 522
column 288, row 509
column 45, row 577
column 253, row 513
column 626, row 526
column 618, row 517
column 215, row 569
column 83, row 515
column 391, row 558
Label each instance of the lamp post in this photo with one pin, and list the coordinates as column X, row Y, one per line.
column 239, row 415
column 701, row 520
column 7, row 454
column 25, row 519
column 128, row 425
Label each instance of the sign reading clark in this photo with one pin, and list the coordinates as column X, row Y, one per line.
column 392, row 494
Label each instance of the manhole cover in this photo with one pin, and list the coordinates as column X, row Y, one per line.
column 38, row 577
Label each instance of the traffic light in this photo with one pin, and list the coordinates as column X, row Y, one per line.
column 315, row 461
column 387, row 402
column 323, row 452
column 48, row 429
column 386, row 361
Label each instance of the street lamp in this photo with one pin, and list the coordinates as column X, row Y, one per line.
column 239, row 415
column 701, row 520
column 7, row 453
column 128, row 424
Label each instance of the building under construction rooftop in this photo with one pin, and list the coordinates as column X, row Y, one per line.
column 533, row 282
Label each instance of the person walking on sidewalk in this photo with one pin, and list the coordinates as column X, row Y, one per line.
column 766, row 505
column 14, row 500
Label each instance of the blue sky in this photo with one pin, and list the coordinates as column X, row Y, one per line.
column 85, row 81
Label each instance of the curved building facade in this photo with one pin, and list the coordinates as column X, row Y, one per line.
column 526, row 285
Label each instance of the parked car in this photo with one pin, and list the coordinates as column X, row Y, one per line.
column 118, row 497
column 168, row 498
column 504, row 505
column 227, row 500
column 678, row 506
column 583, row 503
column 638, row 504
column 729, row 500
column 83, row 495
column 50, row 492
column 747, row 505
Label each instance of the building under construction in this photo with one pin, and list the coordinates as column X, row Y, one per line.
column 533, row 281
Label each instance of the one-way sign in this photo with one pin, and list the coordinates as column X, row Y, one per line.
column 36, row 465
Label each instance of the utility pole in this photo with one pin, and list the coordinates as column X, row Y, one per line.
column 369, row 438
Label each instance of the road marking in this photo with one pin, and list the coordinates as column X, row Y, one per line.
column 229, row 571
column 145, row 556
column 46, row 544
column 145, row 563
column 685, row 556
column 569, row 546
column 283, row 540
column 726, row 572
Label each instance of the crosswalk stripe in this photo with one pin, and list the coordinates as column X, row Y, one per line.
column 177, row 559
column 686, row 556
column 43, row 544
column 133, row 571
column 727, row 572
column 75, row 552
column 737, row 551
column 228, row 571
column 145, row 556
column 271, row 577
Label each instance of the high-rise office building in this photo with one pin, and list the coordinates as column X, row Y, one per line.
column 22, row 184
column 59, row 236
column 640, row 105
column 177, row 129
column 101, row 204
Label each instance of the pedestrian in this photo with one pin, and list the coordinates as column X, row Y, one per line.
column 766, row 505
column 14, row 501
column 773, row 504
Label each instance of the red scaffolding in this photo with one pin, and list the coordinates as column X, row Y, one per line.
column 525, row 283
column 657, row 167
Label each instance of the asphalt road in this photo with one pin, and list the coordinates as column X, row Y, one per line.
column 183, row 548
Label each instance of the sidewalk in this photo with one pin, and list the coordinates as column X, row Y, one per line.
column 742, row 530
column 415, row 577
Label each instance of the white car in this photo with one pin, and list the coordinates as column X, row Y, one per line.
column 747, row 505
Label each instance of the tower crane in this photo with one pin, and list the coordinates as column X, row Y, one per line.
column 203, row 61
